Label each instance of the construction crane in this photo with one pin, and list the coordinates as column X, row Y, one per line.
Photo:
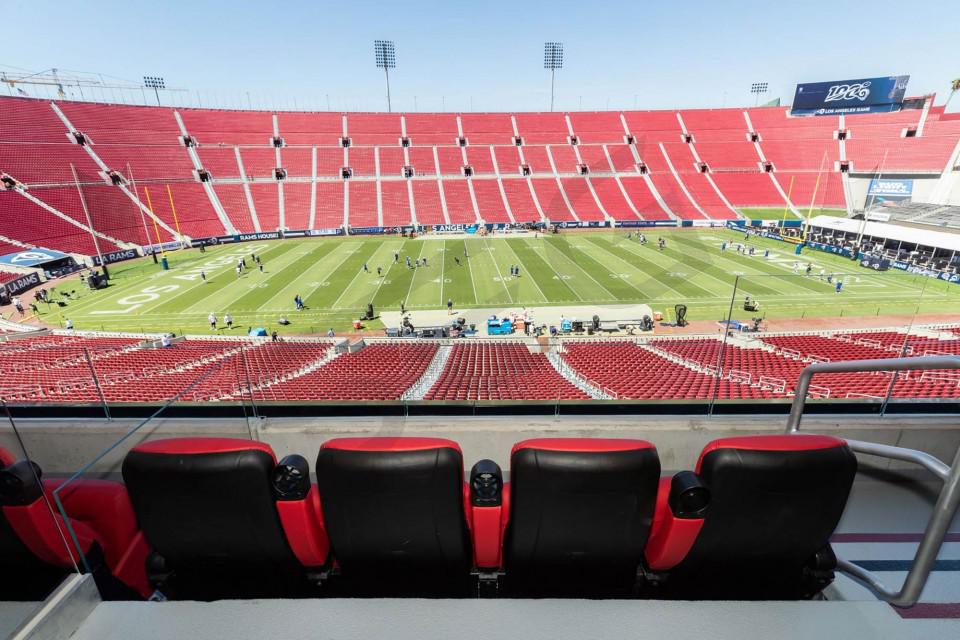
column 55, row 78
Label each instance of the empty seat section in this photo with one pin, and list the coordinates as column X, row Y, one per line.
column 426, row 199
column 551, row 200
column 490, row 200
column 629, row 371
column 459, row 204
column 361, row 161
column 296, row 205
column 581, row 198
column 674, row 196
column 221, row 162
column 298, row 161
column 330, row 161
column 728, row 155
column 521, row 202
column 147, row 163
column 362, row 198
column 542, row 128
column 599, row 126
column 564, row 158
column 642, row 198
column 396, row 202
column 500, row 372
column 508, row 160
column 392, row 161
column 726, row 125
column 580, row 514
column 374, row 128
column 451, row 161
column 30, row 120
column 774, row 502
column 394, row 512
column 329, row 214
column 749, row 190
column 114, row 213
column 233, row 199
column 431, row 128
column 376, row 372
column 266, row 200
column 706, row 196
column 214, row 512
column 612, row 198
column 622, row 158
column 212, row 126
column 487, row 128
column 595, row 157
column 297, row 127
column 36, row 164
column 33, row 224
column 804, row 189
column 258, row 162
column 423, row 161
column 537, row 159
column 480, row 160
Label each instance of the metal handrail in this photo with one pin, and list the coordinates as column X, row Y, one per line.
column 947, row 501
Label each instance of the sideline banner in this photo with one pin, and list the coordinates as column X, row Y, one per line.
column 24, row 283
column 116, row 256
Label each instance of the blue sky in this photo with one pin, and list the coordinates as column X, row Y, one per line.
column 484, row 56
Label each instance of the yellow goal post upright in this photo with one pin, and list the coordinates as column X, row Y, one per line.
column 156, row 227
column 813, row 199
column 788, row 202
column 176, row 220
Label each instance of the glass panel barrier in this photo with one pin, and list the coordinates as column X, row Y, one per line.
column 115, row 551
column 34, row 554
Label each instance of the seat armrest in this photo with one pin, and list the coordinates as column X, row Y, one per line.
column 678, row 520
column 486, row 512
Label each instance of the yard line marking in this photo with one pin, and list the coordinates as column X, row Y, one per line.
column 499, row 273
column 547, row 244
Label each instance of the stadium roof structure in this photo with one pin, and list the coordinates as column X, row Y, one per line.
column 926, row 237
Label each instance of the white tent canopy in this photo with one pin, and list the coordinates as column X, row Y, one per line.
column 926, row 237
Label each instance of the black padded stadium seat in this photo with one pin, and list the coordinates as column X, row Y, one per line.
column 213, row 512
column 774, row 503
column 580, row 515
column 394, row 511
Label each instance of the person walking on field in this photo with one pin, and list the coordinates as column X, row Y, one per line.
column 229, row 320
column 212, row 319
column 203, row 276
column 450, row 306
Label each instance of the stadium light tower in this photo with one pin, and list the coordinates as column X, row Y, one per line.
column 758, row 88
column 156, row 83
column 386, row 56
column 553, row 60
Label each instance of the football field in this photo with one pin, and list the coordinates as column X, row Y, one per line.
column 570, row 268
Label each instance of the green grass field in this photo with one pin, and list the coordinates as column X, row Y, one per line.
column 565, row 269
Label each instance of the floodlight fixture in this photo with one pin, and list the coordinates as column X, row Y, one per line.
column 385, row 54
column 758, row 88
column 156, row 83
column 552, row 60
